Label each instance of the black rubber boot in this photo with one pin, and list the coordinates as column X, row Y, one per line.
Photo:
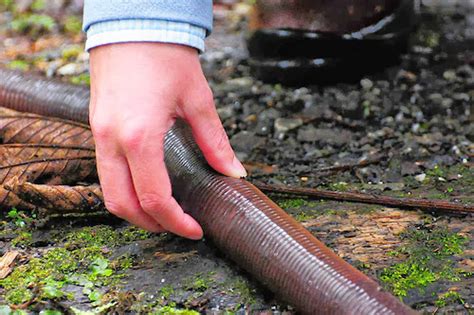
column 340, row 47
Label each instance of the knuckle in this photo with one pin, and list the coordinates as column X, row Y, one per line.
column 151, row 202
column 102, row 130
column 132, row 136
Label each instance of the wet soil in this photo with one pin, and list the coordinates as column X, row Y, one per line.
column 416, row 119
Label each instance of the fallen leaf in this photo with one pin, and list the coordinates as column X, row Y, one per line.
column 173, row 257
column 16, row 127
column 59, row 198
column 43, row 164
column 256, row 167
column 5, row 263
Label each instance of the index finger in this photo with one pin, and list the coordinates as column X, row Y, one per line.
column 145, row 156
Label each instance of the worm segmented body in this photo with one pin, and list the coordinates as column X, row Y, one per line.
column 239, row 218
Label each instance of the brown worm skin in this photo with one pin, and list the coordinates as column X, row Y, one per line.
column 239, row 218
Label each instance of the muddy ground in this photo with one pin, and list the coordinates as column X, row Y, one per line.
column 415, row 120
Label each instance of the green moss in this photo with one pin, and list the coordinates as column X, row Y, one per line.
column 33, row 24
column 297, row 203
column 71, row 52
column 19, row 65
column 19, row 218
column 104, row 235
column 199, row 283
column 82, row 261
column 340, row 186
column 304, row 216
column 38, row 5
column 7, row 5
column 428, row 38
column 302, row 209
column 166, row 292
column 245, row 291
column 81, row 79
column 450, row 297
column 22, row 240
column 436, row 172
column 427, row 259
column 292, row 203
column 168, row 310
column 73, row 24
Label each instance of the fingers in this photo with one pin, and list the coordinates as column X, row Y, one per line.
column 211, row 137
column 119, row 195
column 150, row 178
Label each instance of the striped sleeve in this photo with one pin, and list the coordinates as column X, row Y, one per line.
column 145, row 30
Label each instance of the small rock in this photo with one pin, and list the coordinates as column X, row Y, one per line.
column 385, row 186
column 449, row 75
column 447, row 102
column 283, row 125
column 244, row 142
column 409, row 168
column 366, row 84
column 244, row 82
column 436, row 98
column 325, row 135
column 461, row 97
column 465, row 71
column 263, row 128
column 70, row 69
column 307, row 134
column 420, row 177
column 225, row 112
column 269, row 114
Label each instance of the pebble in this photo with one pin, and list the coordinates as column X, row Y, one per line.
column 420, row 177
column 449, row 75
column 244, row 82
column 226, row 112
column 269, row 114
column 70, row 69
column 436, row 98
column 307, row 134
column 461, row 97
column 283, row 125
column 447, row 102
column 324, row 135
column 366, row 84
column 244, row 142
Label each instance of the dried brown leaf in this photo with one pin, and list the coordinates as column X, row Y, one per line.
column 43, row 164
column 5, row 263
column 16, row 127
column 59, row 198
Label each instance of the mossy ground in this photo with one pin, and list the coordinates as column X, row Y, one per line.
column 427, row 257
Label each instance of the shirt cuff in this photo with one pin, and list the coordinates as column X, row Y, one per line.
column 145, row 30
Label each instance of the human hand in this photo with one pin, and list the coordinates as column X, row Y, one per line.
column 137, row 92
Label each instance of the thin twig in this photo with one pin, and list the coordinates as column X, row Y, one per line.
column 423, row 204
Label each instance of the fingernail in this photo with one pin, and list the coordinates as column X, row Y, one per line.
column 238, row 169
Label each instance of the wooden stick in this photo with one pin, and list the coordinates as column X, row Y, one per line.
column 423, row 204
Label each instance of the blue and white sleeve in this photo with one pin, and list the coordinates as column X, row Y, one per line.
column 185, row 22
